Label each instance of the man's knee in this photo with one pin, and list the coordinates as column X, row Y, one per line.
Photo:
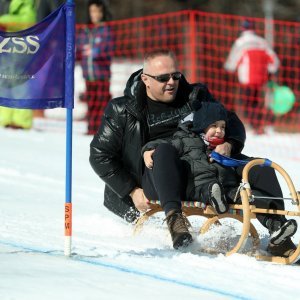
column 166, row 152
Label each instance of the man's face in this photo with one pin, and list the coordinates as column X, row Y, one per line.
column 156, row 90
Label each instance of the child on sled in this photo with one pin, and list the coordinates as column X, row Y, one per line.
column 209, row 181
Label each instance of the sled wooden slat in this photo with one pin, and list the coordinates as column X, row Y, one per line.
column 244, row 213
column 276, row 212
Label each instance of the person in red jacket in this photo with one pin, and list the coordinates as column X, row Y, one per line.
column 253, row 59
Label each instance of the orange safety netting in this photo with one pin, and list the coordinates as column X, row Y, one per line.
column 201, row 42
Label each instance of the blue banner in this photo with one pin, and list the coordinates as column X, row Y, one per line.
column 35, row 64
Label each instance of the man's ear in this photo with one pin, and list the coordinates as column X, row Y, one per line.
column 144, row 79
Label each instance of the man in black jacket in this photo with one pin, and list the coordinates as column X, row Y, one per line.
column 155, row 100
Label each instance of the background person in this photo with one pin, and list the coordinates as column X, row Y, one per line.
column 94, row 49
column 21, row 15
column 253, row 59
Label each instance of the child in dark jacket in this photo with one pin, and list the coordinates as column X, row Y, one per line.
column 210, row 181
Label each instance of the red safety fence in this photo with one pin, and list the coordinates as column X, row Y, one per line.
column 201, row 42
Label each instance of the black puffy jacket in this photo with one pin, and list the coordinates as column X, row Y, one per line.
column 115, row 151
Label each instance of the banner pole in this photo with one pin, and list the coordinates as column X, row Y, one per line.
column 68, row 203
column 69, row 99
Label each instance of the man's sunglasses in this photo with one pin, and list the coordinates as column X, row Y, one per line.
column 166, row 77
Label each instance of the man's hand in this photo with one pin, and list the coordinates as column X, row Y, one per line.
column 148, row 158
column 223, row 149
column 139, row 199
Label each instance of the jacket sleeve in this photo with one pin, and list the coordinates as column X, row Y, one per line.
column 106, row 151
column 233, row 58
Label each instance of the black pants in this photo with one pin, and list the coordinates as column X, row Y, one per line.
column 166, row 180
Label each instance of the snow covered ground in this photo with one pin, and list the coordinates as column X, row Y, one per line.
column 108, row 261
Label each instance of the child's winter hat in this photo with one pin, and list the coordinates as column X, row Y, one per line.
column 207, row 114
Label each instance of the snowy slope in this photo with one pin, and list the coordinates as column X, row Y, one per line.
column 108, row 261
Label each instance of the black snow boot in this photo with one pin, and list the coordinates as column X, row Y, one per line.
column 214, row 193
column 280, row 230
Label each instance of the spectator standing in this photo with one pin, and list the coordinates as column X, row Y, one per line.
column 21, row 15
column 94, row 50
column 253, row 59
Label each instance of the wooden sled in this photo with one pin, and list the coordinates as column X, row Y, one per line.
column 244, row 213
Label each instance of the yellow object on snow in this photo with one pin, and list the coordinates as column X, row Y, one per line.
column 21, row 118
column 21, row 15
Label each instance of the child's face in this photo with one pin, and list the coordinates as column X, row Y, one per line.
column 216, row 129
column 96, row 13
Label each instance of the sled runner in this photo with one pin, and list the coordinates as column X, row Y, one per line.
column 245, row 213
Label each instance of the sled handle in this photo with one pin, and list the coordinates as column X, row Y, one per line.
column 263, row 162
column 294, row 195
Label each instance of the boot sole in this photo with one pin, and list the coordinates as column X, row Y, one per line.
column 220, row 204
column 183, row 241
column 287, row 230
